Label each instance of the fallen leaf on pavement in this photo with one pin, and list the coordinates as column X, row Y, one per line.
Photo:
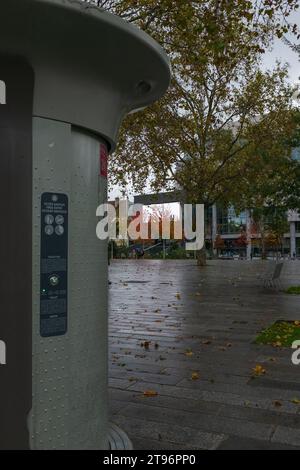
column 150, row 393
column 296, row 401
column 195, row 376
column 189, row 353
column 259, row 370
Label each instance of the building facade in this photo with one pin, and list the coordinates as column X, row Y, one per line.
column 229, row 234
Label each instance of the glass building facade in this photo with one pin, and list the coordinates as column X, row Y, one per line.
column 237, row 237
column 228, row 222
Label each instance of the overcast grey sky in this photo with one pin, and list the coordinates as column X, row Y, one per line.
column 284, row 53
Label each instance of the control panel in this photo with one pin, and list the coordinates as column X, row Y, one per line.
column 54, row 265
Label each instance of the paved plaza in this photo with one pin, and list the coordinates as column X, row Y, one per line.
column 182, row 356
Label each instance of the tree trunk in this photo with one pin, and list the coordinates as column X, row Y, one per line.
column 201, row 257
column 263, row 238
column 263, row 249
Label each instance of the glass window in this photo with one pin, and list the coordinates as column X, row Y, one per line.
column 229, row 222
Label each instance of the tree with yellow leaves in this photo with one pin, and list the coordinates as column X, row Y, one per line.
column 224, row 120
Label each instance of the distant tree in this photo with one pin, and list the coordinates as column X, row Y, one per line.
column 161, row 216
column 275, row 186
column 270, row 223
column 219, row 243
column 242, row 240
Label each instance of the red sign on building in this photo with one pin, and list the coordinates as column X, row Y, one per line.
column 103, row 161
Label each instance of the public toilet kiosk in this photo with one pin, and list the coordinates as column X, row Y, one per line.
column 69, row 74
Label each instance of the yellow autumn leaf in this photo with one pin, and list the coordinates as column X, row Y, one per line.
column 259, row 370
column 150, row 393
column 296, row 401
column 189, row 353
column 195, row 376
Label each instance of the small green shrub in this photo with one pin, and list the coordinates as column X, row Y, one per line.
column 281, row 333
column 294, row 290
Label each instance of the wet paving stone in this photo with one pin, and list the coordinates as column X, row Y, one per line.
column 187, row 334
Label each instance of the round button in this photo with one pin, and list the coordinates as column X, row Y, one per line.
column 59, row 230
column 49, row 230
column 54, row 280
column 49, row 219
column 59, row 219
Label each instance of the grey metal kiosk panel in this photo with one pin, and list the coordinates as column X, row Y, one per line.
column 15, row 251
column 91, row 80
column 91, row 67
column 70, row 372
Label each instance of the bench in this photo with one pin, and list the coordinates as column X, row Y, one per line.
column 272, row 279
